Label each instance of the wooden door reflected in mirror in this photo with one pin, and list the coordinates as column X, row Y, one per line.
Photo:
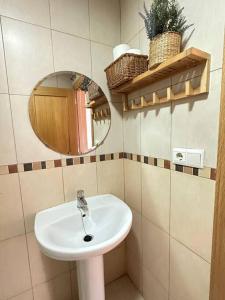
column 69, row 113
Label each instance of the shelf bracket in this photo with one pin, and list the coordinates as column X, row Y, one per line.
column 143, row 102
column 188, row 88
column 204, row 85
column 125, row 102
column 170, row 94
column 155, row 98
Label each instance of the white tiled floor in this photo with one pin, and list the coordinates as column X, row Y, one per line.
column 122, row 289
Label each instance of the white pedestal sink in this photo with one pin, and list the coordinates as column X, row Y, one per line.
column 60, row 234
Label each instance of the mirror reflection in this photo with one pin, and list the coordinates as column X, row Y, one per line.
column 69, row 113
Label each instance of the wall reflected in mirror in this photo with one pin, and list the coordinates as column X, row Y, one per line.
column 69, row 113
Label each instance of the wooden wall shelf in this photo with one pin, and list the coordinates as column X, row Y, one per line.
column 99, row 101
column 185, row 60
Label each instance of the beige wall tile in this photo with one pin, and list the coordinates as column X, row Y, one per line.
column 129, row 19
column 113, row 142
column 214, row 12
column 25, row 65
column 110, row 178
column 3, row 76
column 102, row 57
column 28, row 295
column 156, row 252
column 7, row 146
column 57, row 289
column 156, row 195
column 29, row 148
column 35, row 12
column 134, row 42
column 40, row 190
column 114, row 264
column 134, row 269
column 71, row 53
column 189, row 274
column 132, row 132
column 134, row 239
column 141, row 9
column 11, row 213
column 192, row 208
column 14, row 267
column 202, row 115
column 155, row 132
column 80, row 177
column 105, row 21
column 132, row 182
column 152, row 289
column 144, row 42
column 70, row 17
column 4, row 170
column 42, row 267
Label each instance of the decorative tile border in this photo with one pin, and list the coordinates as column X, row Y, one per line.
column 49, row 164
column 206, row 172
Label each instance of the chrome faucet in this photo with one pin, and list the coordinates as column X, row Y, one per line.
column 82, row 202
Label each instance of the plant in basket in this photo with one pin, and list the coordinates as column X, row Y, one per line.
column 165, row 25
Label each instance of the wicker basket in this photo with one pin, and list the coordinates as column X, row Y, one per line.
column 94, row 91
column 164, row 46
column 125, row 68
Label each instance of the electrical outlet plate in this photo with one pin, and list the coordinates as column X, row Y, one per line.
column 188, row 157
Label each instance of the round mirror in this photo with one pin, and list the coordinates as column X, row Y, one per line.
column 69, row 113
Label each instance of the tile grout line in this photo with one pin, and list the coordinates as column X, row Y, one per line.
column 91, row 60
column 170, row 196
column 120, row 20
column 53, row 61
column 123, row 134
column 142, row 239
column 191, row 250
column 10, row 298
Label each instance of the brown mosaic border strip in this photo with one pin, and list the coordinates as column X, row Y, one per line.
column 49, row 164
column 209, row 173
column 206, row 172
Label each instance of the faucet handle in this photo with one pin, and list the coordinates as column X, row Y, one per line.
column 80, row 194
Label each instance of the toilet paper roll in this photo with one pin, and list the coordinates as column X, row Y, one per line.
column 119, row 50
column 134, row 51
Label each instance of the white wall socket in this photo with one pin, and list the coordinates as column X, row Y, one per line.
column 188, row 157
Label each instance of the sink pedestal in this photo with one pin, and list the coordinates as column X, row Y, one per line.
column 90, row 274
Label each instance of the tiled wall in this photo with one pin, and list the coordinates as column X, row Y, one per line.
column 169, row 248
column 38, row 38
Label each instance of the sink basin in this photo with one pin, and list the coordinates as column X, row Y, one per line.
column 60, row 232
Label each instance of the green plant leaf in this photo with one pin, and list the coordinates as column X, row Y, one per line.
column 164, row 16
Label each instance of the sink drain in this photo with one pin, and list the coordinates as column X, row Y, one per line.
column 88, row 238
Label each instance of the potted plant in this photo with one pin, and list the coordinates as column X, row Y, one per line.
column 165, row 25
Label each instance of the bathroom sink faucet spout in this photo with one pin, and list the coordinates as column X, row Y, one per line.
column 81, row 201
